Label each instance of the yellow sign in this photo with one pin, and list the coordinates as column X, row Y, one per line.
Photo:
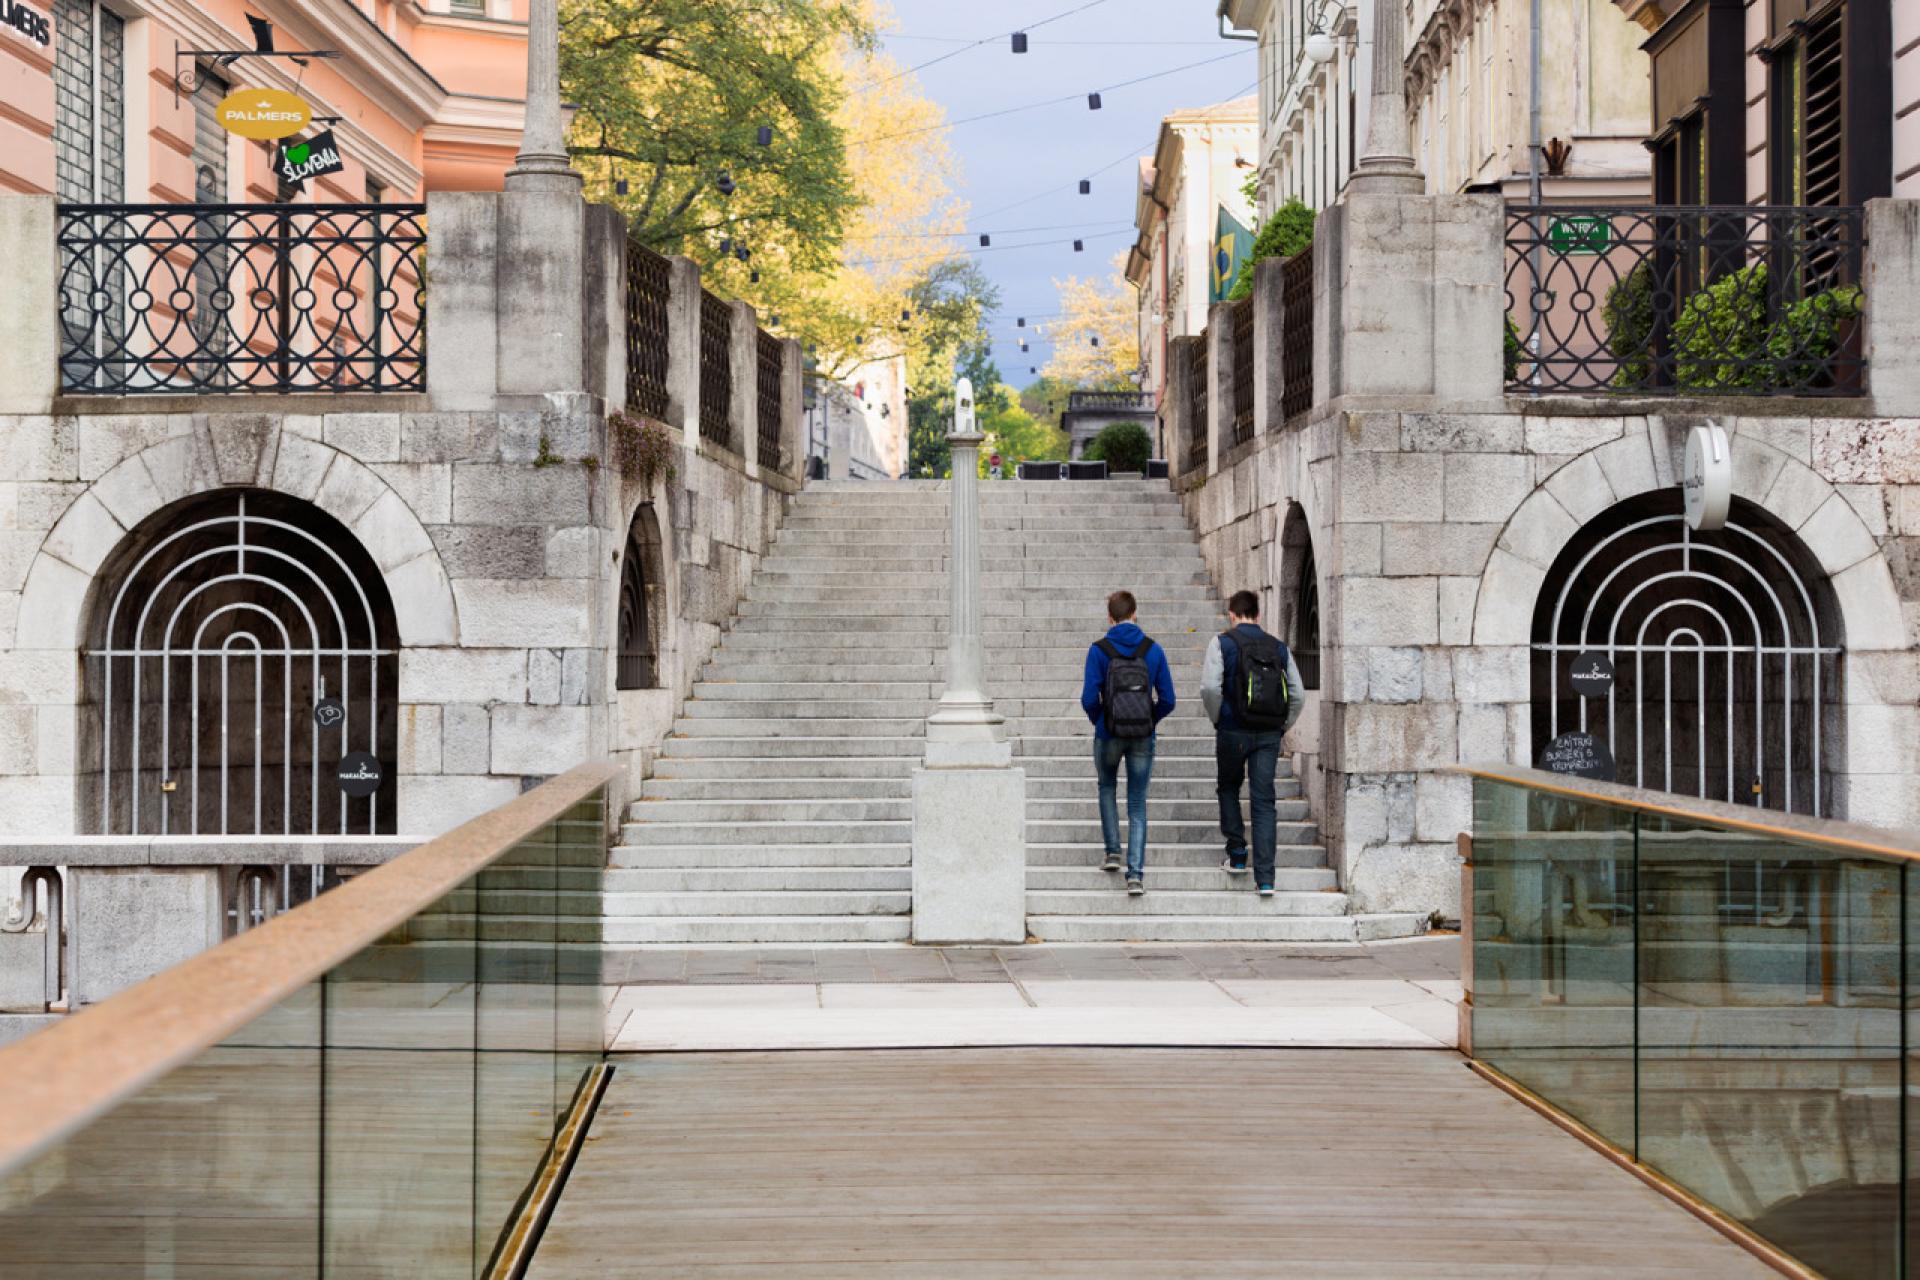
column 263, row 113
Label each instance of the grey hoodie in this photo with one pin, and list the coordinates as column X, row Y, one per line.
column 1213, row 682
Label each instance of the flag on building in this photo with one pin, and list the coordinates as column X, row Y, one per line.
column 1232, row 245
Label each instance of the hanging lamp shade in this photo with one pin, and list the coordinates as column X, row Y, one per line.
column 906, row 315
column 1079, row 245
column 724, row 182
column 1019, row 42
column 1086, row 186
column 1093, row 102
column 620, row 186
column 985, row 241
column 726, row 248
column 753, row 277
column 1021, row 323
column 1096, row 342
column 765, row 136
column 742, row 252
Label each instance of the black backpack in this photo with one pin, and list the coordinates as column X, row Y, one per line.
column 1260, row 694
column 1129, row 691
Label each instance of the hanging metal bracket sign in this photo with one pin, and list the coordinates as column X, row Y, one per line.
column 186, row 62
column 314, row 157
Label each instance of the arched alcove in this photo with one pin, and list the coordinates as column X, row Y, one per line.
column 238, row 645
column 642, row 604
column 1297, row 611
column 1725, row 649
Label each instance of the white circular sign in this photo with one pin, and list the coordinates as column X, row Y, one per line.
column 1706, row 478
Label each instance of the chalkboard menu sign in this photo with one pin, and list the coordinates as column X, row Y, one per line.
column 359, row 774
column 1579, row 755
column 1591, row 675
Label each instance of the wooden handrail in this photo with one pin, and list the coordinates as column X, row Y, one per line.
column 1847, row 837
column 62, row 1078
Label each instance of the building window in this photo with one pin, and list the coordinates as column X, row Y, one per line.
column 1807, row 92
column 89, row 84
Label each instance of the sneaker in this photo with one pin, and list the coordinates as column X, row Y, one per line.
column 1266, row 891
column 1235, row 866
column 1134, row 887
column 1112, row 863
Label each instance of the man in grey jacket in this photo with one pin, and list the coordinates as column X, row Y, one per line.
column 1251, row 713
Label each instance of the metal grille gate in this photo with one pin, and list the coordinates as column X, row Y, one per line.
column 215, row 644
column 1725, row 656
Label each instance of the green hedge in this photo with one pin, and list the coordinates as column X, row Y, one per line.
column 1286, row 233
column 1123, row 446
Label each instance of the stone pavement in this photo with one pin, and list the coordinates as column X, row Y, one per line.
column 1397, row 994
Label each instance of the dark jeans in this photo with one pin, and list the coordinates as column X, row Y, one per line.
column 1138, row 753
column 1243, row 755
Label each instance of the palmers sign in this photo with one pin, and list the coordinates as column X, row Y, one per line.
column 29, row 24
column 263, row 113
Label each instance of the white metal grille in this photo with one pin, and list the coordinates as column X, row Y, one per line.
column 1725, row 655
column 213, row 646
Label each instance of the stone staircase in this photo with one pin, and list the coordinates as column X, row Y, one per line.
column 780, row 809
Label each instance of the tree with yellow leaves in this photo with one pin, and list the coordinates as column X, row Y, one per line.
column 1096, row 339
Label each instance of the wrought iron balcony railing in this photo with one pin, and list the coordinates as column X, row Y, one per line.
column 199, row 298
column 1672, row 300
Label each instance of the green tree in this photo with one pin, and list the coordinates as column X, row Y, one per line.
column 672, row 95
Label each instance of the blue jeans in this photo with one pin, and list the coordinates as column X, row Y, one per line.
column 1107, row 755
column 1254, row 757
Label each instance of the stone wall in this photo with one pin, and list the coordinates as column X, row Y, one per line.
column 490, row 504
column 1436, row 505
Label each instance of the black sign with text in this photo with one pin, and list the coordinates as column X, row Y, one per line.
column 1579, row 755
column 314, row 157
column 1591, row 675
column 358, row 774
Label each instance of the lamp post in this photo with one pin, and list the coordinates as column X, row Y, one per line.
column 1386, row 166
column 542, row 164
column 965, row 715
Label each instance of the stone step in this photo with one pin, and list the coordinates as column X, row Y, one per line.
column 1081, row 745
column 764, row 788
column 762, row 930
column 650, row 879
column 913, row 726
column 1172, row 831
column 1156, row 901
column 902, row 593
column 741, row 856
column 1191, row 857
column 754, row 809
column 897, row 691
column 734, row 667
column 1195, row 784
column 896, row 575
column 1199, row 611
column 652, row 834
column 826, row 902
column 1146, row 521
column 1160, row 810
column 1162, row 878
column 759, row 748
column 809, row 709
column 1216, row 928
column 1079, row 767
column 732, row 770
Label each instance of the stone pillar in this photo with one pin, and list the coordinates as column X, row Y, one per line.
column 462, row 299
column 1269, row 345
column 969, row 802
column 1892, row 280
column 129, row 923
column 683, row 346
column 1219, row 424
column 743, row 415
column 793, row 409
column 29, row 306
column 1386, row 166
column 1176, row 405
column 542, row 164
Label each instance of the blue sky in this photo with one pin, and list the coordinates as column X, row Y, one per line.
column 1022, row 170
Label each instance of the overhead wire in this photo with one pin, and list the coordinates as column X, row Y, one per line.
column 983, row 40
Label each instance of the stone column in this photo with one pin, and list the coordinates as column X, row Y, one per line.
column 969, row 802
column 1892, row 273
column 463, row 254
column 1386, row 166
column 1269, row 345
column 1176, row 405
column 793, row 409
column 30, row 316
column 542, row 164
column 683, row 346
column 744, row 415
column 1219, row 423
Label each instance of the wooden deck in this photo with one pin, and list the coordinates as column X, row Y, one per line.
column 1171, row 1164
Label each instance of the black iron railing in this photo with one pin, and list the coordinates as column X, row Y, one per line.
column 716, row 370
column 768, row 403
column 184, row 298
column 1199, row 393
column 1242, row 337
column 1677, row 300
column 1096, row 401
column 1296, row 349
column 648, row 282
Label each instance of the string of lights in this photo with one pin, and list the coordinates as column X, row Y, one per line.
column 1018, row 47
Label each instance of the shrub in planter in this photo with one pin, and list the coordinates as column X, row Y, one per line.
column 1287, row 232
column 1514, row 352
column 1123, row 446
column 1723, row 340
column 1629, row 317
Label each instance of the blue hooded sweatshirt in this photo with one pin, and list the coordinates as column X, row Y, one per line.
column 1126, row 638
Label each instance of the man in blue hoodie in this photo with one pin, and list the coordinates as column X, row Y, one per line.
column 1127, row 692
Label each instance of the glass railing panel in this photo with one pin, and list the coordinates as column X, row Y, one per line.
column 1770, row 1036
column 1553, row 924
column 210, row 1171
column 400, row 1100
column 385, row 1120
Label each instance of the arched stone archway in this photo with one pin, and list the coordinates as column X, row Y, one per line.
column 1296, row 611
column 643, row 622
column 239, row 649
